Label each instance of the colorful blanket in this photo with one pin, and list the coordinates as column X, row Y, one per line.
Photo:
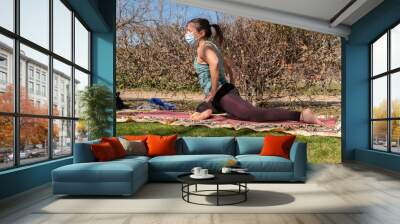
column 331, row 127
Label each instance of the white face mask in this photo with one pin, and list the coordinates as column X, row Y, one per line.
column 190, row 39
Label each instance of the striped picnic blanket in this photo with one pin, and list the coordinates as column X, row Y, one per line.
column 331, row 127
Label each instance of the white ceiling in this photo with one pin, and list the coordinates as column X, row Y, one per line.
column 321, row 9
column 316, row 15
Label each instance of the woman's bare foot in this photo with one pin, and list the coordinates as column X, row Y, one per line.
column 307, row 116
column 201, row 116
column 194, row 115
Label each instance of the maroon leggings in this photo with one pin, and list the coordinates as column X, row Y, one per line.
column 240, row 109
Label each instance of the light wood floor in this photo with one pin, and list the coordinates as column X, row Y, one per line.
column 377, row 188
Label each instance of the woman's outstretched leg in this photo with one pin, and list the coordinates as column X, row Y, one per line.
column 236, row 106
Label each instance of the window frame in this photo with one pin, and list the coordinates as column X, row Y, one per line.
column 16, row 114
column 388, row 74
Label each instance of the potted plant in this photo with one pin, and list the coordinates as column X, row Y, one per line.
column 96, row 102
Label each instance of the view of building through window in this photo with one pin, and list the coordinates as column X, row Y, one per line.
column 38, row 87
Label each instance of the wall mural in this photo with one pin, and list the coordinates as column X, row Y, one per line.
column 198, row 72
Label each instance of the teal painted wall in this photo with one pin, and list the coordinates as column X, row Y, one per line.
column 355, row 84
column 355, row 102
column 89, row 11
column 99, row 15
column 103, row 53
column 103, row 64
column 24, row 178
column 379, row 159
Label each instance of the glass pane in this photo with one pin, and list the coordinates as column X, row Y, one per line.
column 395, row 47
column 81, row 45
column 379, row 135
column 62, row 138
column 395, row 94
column 379, row 55
column 33, row 139
column 35, row 21
column 81, row 132
column 34, row 97
column 62, row 29
column 379, row 97
column 6, row 74
column 395, row 136
column 7, row 14
column 62, row 89
column 6, row 142
column 81, row 82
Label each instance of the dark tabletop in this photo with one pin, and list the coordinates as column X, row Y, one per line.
column 220, row 178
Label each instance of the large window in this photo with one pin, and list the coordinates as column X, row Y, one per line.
column 44, row 64
column 81, row 45
column 7, row 14
column 385, row 91
column 34, row 22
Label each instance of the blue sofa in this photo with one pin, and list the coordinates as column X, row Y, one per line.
column 125, row 176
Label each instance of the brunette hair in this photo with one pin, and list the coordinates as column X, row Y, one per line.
column 204, row 24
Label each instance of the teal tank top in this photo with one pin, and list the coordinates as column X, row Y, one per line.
column 203, row 71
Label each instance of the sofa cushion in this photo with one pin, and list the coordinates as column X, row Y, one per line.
column 257, row 163
column 135, row 147
column 161, row 145
column 206, row 145
column 277, row 145
column 185, row 163
column 112, row 171
column 133, row 157
column 135, row 137
column 249, row 145
column 103, row 152
column 116, row 145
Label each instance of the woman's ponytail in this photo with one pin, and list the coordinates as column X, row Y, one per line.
column 216, row 33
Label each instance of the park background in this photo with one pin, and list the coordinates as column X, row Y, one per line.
column 277, row 66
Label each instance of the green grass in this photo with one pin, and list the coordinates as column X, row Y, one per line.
column 320, row 149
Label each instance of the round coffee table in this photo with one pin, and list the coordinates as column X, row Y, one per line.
column 238, row 179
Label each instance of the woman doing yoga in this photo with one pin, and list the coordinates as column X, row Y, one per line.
column 221, row 96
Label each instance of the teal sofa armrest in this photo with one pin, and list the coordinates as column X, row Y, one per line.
column 298, row 155
column 83, row 152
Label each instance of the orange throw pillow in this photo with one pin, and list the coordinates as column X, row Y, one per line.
column 103, row 152
column 161, row 145
column 135, row 137
column 277, row 145
column 116, row 145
